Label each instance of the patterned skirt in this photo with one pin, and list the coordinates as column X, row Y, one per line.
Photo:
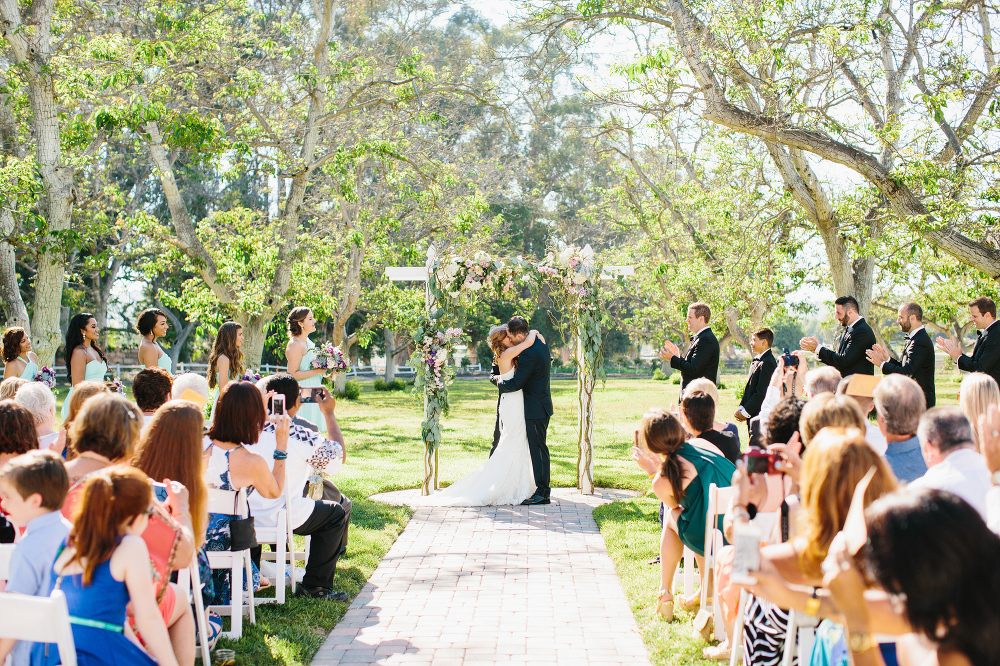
column 764, row 629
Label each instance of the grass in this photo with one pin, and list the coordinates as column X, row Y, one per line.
column 385, row 453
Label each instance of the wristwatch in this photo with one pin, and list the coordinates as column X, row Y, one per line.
column 859, row 643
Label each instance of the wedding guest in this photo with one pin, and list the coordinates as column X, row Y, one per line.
column 152, row 324
column 309, row 454
column 975, row 395
column 83, row 392
column 858, row 337
column 18, row 359
column 33, row 487
column 230, row 465
column 226, row 361
column 932, row 550
column 698, row 415
column 85, row 360
column 899, row 402
column 17, row 437
column 763, row 366
column 151, row 388
column 989, row 427
column 39, row 400
column 104, row 433
column 797, row 381
column 863, row 396
column 300, row 354
column 702, row 357
column 917, row 360
column 189, row 381
column 953, row 463
column 682, row 472
column 709, row 387
column 829, row 411
column 105, row 567
column 9, row 387
column 986, row 354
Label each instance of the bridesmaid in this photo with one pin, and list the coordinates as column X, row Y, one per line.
column 152, row 324
column 19, row 360
column 299, row 353
column 226, row 362
column 85, row 361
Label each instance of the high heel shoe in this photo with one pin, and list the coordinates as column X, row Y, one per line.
column 665, row 608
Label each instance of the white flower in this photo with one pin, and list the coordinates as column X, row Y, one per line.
column 579, row 278
column 475, row 286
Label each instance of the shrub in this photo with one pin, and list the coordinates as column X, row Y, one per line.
column 658, row 375
column 381, row 384
column 394, row 385
column 722, row 387
column 675, row 378
column 352, row 390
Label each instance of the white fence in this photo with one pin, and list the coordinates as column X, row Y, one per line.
column 129, row 370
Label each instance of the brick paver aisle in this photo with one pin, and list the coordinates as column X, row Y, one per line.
column 493, row 585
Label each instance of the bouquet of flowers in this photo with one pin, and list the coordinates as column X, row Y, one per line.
column 330, row 358
column 117, row 384
column 250, row 376
column 46, row 376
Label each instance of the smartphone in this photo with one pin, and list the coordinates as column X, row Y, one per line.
column 308, row 395
column 746, row 554
column 159, row 490
column 278, row 405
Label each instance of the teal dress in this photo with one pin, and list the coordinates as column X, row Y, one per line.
column 310, row 411
column 712, row 468
column 94, row 372
column 30, row 369
column 165, row 362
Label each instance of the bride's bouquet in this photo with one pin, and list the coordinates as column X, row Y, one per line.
column 329, row 357
column 46, row 376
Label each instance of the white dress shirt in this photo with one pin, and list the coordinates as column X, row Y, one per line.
column 962, row 472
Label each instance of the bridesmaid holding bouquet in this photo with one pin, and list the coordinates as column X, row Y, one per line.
column 85, row 361
column 226, row 362
column 300, row 352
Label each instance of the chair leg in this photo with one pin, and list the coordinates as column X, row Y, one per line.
column 236, row 604
column 736, row 640
column 249, row 567
column 201, row 620
column 279, row 562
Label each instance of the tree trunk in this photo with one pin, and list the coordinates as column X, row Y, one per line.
column 15, row 312
column 254, row 336
column 183, row 333
column 390, row 356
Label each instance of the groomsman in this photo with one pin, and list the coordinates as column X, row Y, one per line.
column 763, row 366
column 986, row 355
column 702, row 357
column 850, row 357
column 917, row 360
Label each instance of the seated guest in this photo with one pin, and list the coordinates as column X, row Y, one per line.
column 308, row 454
column 975, row 395
column 104, row 433
column 189, row 381
column 104, row 568
column 953, row 464
column 17, row 437
column 682, row 473
column 38, row 398
column 899, row 402
column 151, row 388
column 698, row 415
column 709, row 387
column 9, row 387
column 863, row 397
column 81, row 393
column 798, row 381
column 829, row 411
column 33, row 487
column 230, row 465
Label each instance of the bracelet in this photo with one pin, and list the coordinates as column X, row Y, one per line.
column 741, row 512
column 812, row 606
column 279, row 455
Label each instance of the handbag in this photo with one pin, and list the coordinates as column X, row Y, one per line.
column 242, row 531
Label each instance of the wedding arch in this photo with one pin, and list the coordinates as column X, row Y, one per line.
column 573, row 276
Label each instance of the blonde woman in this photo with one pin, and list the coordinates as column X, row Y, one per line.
column 975, row 395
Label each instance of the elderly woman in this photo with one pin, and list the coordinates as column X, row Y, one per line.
column 38, row 398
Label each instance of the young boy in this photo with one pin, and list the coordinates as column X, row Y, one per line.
column 33, row 487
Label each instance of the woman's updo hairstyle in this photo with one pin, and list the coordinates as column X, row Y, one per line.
column 295, row 319
column 12, row 343
column 147, row 320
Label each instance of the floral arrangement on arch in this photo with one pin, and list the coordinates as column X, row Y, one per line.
column 461, row 279
column 433, row 375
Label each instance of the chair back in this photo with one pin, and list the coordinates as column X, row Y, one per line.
column 38, row 620
column 718, row 503
column 6, row 553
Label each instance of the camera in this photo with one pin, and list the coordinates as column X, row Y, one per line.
column 790, row 359
column 762, row 461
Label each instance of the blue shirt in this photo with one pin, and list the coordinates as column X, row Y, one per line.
column 905, row 459
column 31, row 565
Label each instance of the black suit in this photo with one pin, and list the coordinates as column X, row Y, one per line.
column 986, row 356
column 850, row 357
column 917, row 362
column 532, row 376
column 701, row 359
column 756, row 388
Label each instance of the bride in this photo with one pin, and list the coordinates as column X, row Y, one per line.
column 507, row 477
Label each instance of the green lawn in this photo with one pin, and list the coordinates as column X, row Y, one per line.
column 384, row 453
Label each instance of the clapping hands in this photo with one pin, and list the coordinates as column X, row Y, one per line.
column 669, row 350
column 809, row 344
column 949, row 347
column 877, row 355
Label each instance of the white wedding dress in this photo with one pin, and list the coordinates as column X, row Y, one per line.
column 507, row 477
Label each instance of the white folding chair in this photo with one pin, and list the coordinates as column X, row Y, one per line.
column 799, row 638
column 190, row 583
column 685, row 572
column 278, row 536
column 224, row 501
column 718, row 503
column 6, row 553
column 765, row 522
column 38, row 620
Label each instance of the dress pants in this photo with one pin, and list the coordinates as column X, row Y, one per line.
column 537, row 431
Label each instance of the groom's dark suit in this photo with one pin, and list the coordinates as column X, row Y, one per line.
column 917, row 362
column 532, row 375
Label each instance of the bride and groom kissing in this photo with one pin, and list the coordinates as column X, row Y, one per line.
column 517, row 471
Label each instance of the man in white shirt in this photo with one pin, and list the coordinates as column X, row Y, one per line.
column 309, row 456
column 953, row 464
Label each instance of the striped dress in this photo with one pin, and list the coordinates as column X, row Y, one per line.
column 764, row 629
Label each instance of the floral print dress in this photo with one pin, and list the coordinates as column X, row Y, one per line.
column 217, row 536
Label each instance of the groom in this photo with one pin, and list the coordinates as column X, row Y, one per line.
column 532, row 375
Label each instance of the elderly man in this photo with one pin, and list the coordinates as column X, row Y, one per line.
column 953, row 464
column 899, row 402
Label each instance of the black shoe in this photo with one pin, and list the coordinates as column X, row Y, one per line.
column 536, row 499
column 320, row 593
